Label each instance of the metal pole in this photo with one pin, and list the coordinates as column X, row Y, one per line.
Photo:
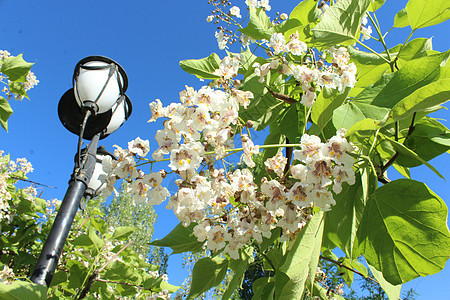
column 48, row 259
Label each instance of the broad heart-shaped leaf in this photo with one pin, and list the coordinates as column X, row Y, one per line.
column 16, row 68
column 292, row 275
column 351, row 113
column 393, row 87
column 421, row 142
column 401, row 19
column 327, row 101
column 22, row 290
column 259, row 25
column 404, row 232
column 202, row 68
column 5, row 112
column 432, row 94
column 180, row 239
column 306, row 13
column 340, row 23
column 207, row 273
column 415, row 49
column 423, row 13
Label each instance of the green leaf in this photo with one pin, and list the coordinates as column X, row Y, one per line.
column 342, row 221
column 18, row 88
column 122, row 233
column 393, row 87
column 22, row 290
column 415, row 49
column 264, row 108
column 180, row 239
column 5, row 112
column 82, row 240
column 289, row 125
column 207, row 273
column 392, row 291
column 96, row 240
column 423, row 13
column 259, row 25
column 401, row 19
column 422, row 142
column 238, row 266
column 402, row 149
column 338, row 26
column 432, row 94
column 305, row 12
column 404, row 232
column 327, row 101
column 295, row 270
column 16, row 68
column 263, row 288
column 118, row 270
column 376, row 4
column 202, row 68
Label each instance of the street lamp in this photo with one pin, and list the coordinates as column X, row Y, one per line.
column 94, row 108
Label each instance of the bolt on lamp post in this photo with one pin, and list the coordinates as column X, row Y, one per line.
column 94, row 108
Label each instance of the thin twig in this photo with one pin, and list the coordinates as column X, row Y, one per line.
column 339, row 264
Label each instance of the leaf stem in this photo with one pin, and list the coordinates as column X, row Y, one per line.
column 373, row 51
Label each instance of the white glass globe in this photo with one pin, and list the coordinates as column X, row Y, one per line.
column 89, row 84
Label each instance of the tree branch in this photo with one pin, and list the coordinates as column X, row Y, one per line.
column 282, row 97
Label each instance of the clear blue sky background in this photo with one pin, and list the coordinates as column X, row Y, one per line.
column 148, row 38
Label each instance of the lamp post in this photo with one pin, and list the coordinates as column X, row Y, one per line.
column 95, row 107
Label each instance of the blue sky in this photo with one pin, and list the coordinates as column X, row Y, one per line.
column 148, row 38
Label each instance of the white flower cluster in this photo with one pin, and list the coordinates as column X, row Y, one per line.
column 145, row 187
column 7, row 275
column 231, row 210
column 312, row 76
column 259, row 3
column 29, row 84
column 10, row 169
column 365, row 31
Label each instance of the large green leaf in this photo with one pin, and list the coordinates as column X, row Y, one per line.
column 207, row 273
column 16, row 68
column 327, row 101
column 202, row 68
column 423, row 142
column 295, row 270
column 22, row 290
column 404, row 232
column 432, row 94
column 351, row 113
column 5, row 112
column 338, row 26
column 305, row 12
column 263, row 288
column 376, row 4
column 180, row 239
column 393, row 87
column 423, row 13
column 259, row 25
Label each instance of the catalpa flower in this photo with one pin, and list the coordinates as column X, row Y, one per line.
column 187, row 156
column 278, row 43
column 139, row 147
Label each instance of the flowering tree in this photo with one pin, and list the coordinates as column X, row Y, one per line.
column 344, row 117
